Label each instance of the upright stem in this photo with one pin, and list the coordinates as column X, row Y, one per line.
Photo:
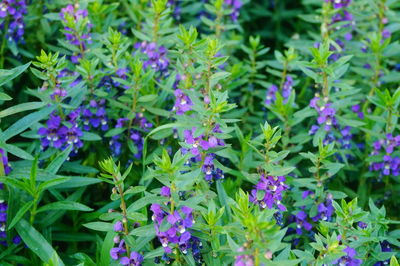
column 123, row 208
column 3, row 46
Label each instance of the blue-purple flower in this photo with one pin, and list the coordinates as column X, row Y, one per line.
column 268, row 192
column 349, row 259
column 183, row 103
column 14, row 10
column 326, row 113
column 156, row 56
column 135, row 259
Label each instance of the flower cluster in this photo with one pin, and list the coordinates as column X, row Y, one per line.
column 243, row 259
column 385, row 247
column 133, row 134
column 326, row 114
column 271, row 94
column 179, row 222
column 357, row 110
column 301, row 219
column 116, row 253
column 268, row 192
column 325, row 210
column 94, row 115
column 76, row 26
column 60, row 133
column 349, row 259
column 339, row 3
column 3, row 220
column 156, row 56
column 211, row 173
column 14, row 10
column 183, row 103
column 389, row 164
column 4, row 161
column 287, row 88
column 235, row 5
column 201, row 141
column 272, row 90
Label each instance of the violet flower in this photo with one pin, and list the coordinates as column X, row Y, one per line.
column 268, row 192
column 349, row 259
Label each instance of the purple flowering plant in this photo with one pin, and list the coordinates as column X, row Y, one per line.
column 213, row 132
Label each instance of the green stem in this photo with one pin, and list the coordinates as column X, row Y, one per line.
column 124, row 210
column 3, row 46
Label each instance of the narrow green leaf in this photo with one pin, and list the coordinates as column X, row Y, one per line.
column 7, row 75
column 56, row 164
column 5, row 97
column 20, row 214
column 18, row 152
column 99, row 226
column 37, row 243
column 65, row 205
column 21, row 108
column 26, row 122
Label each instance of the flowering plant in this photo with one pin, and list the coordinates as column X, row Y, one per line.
column 141, row 132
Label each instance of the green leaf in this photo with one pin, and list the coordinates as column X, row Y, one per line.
column 5, row 97
column 65, row 205
column 215, row 78
column 147, row 230
column 114, row 131
column 147, row 98
column 393, row 261
column 18, row 152
column 20, row 214
column 135, row 190
column 105, row 249
column 51, row 183
column 21, row 108
column 88, row 136
column 26, row 122
column 154, row 253
column 7, row 75
column 37, row 243
column 99, row 226
column 56, row 164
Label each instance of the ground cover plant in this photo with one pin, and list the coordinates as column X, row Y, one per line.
column 212, row 132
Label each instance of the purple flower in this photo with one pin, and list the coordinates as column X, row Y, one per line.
column 349, row 259
column 339, row 3
column 4, row 161
column 287, row 88
column 58, row 94
column 135, row 259
column 118, row 227
column 177, row 234
column 243, row 259
column 156, row 57
column 14, row 11
column 301, row 222
column 235, row 5
column 325, row 210
column 326, row 113
column 268, row 192
column 71, row 17
column 362, row 225
column 17, row 240
column 271, row 94
column 165, row 192
column 208, row 168
column 115, row 253
column 357, row 109
column 183, row 103
column 389, row 164
column 60, row 135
